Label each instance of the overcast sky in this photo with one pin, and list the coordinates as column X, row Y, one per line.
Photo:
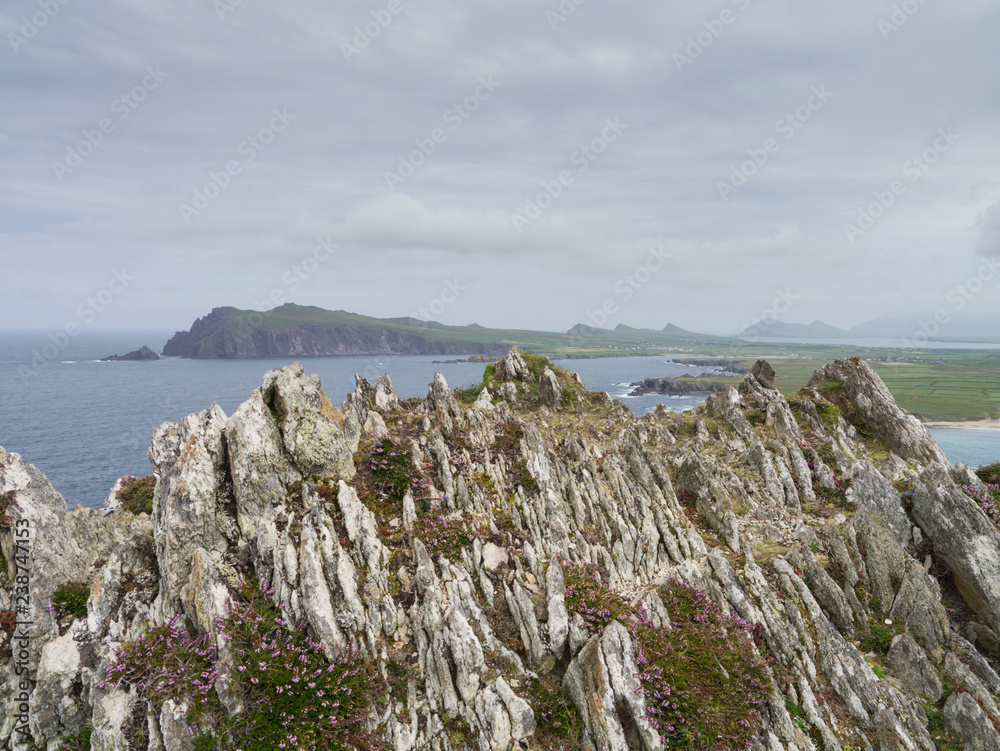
column 643, row 118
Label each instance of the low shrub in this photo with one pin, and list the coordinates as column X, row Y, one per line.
column 71, row 599
column 393, row 472
column 295, row 698
column 704, row 685
column 448, row 535
column 136, row 494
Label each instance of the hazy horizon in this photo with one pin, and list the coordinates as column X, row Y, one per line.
column 519, row 166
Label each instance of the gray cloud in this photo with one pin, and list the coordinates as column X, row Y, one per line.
column 689, row 125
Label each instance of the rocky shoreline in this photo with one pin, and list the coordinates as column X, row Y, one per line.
column 528, row 567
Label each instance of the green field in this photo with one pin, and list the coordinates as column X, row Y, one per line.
column 949, row 385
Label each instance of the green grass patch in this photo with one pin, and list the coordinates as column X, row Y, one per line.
column 71, row 599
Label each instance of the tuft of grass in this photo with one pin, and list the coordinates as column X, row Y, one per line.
column 880, row 638
column 71, row 599
column 136, row 494
column 79, row 741
column 393, row 471
column 989, row 473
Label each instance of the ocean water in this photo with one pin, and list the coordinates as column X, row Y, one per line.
column 85, row 423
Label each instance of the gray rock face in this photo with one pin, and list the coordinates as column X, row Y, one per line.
column 764, row 373
column 308, row 423
column 877, row 411
column 965, row 720
column 512, row 367
column 870, row 489
column 548, row 389
column 963, row 537
column 909, row 663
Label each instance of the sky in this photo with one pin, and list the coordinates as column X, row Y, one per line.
column 519, row 164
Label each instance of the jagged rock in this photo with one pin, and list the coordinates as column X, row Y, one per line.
column 964, row 538
column 512, row 367
column 870, row 489
column 764, row 373
column 601, row 680
column 466, row 620
column 965, row 720
column 189, row 459
column 308, row 422
column 909, row 663
column 548, row 389
column 494, row 557
column 877, row 411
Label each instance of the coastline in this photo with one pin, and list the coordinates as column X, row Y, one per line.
column 966, row 424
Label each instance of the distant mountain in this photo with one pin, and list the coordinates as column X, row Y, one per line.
column 582, row 329
column 671, row 329
column 816, row 329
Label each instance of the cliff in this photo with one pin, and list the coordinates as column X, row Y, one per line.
column 522, row 566
column 299, row 331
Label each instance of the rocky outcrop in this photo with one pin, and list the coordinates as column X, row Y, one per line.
column 855, row 386
column 504, row 575
column 142, row 354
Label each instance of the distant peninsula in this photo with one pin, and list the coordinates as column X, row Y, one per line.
column 143, row 354
column 307, row 331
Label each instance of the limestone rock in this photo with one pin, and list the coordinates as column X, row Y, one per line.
column 548, row 389
column 909, row 663
column 308, row 423
column 764, row 373
column 877, row 411
column 964, row 538
column 964, row 719
column 512, row 367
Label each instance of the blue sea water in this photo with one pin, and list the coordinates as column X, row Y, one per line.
column 85, row 423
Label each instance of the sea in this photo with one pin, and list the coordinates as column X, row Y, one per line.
column 85, row 422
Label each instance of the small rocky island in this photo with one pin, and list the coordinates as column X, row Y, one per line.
column 675, row 386
column 142, row 354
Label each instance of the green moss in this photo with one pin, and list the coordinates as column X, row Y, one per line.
column 71, row 599
column 880, row 638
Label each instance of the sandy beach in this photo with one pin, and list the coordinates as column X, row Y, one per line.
column 968, row 424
